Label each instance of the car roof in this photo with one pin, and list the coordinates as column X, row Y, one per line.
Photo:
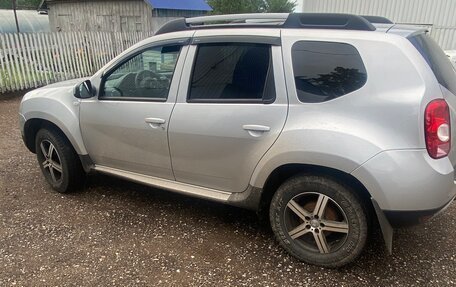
column 329, row 21
column 276, row 20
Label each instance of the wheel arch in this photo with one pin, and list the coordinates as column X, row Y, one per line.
column 33, row 125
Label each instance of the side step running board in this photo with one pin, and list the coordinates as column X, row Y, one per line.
column 171, row 185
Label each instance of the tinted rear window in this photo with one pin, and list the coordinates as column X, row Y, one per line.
column 325, row 70
column 436, row 59
column 232, row 72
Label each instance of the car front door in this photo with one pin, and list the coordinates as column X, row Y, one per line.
column 231, row 108
column 126, row 126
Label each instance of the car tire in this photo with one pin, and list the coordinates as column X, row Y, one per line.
column 58, row 161
column 319, row 220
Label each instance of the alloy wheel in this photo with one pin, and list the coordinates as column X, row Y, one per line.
column 52, row 163
column 316, row 222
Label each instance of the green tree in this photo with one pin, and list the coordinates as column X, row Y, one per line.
column 234, row 6
column 279, row 6
column 21, row 4
column 251, row 6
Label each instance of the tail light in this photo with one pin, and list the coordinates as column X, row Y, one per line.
column 437, row 128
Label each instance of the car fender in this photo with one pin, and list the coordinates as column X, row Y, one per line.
column 57, row 105
column 308, row 148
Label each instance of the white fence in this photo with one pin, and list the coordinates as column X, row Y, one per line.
column 30, row 60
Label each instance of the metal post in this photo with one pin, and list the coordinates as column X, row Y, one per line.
column 15, row 15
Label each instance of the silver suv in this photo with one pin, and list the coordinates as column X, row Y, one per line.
column 331, row 123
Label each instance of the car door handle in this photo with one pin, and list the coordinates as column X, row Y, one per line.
column 256, row 130
column 155, row 122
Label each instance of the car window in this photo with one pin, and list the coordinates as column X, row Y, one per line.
column 325, row 70
column 232, row 72
column 147, row 75
column 436, row 59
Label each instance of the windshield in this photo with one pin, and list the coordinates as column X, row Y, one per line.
column 437, row 60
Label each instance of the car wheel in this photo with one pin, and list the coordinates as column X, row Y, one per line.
column 58, row 161
column 319, row 220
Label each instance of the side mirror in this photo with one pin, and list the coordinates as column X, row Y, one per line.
column 84, row 90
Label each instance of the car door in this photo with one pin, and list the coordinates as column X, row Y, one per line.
column 126, row 126
column 231, row 108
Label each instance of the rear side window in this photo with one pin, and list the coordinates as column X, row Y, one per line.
column 325, row 70
column 232, row 72
column 436, row 59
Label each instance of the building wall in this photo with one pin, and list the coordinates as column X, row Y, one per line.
column 438, row 15
column 111, row 16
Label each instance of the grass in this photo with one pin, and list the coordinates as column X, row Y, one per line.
column 14, row 76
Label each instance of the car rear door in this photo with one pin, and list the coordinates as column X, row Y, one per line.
column 231, row 107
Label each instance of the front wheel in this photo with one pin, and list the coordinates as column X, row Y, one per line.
column 58, row 161
column 319, row 220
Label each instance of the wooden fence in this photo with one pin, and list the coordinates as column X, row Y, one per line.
column 30, row 60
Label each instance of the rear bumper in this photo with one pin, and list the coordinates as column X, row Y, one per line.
column 399, row 219
column 408, row 185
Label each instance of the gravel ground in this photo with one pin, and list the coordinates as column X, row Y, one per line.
column 118, row 233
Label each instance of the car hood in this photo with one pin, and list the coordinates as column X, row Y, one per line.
column 56, row 90
column 68, row 83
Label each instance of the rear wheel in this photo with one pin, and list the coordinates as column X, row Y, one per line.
column 58, row 161
column 319, row 220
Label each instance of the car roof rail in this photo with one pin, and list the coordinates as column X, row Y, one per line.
column 271, row 20
column 378, row 19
